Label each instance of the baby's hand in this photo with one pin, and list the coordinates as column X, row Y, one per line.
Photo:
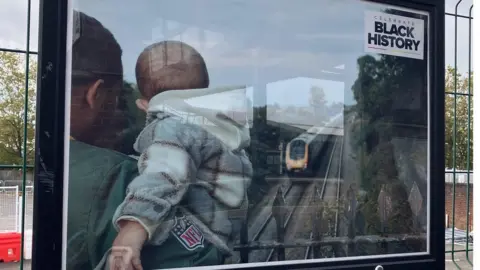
column 124, row 258
column 126, row 247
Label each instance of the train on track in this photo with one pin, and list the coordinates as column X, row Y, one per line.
column 303, row 154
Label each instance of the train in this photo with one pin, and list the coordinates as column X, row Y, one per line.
column 303, row 153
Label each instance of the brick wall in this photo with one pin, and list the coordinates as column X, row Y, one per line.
column 460, row 205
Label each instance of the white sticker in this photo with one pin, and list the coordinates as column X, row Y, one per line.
column 394, row 35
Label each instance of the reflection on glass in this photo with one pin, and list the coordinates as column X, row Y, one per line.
column 334, row 128
column 13, row 25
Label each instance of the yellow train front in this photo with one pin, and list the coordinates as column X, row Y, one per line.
column 296, row 157
column 305, row 154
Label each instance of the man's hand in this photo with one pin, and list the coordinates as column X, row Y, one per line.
column 125, row 253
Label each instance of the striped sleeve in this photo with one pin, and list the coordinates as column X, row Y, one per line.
column 167, row 167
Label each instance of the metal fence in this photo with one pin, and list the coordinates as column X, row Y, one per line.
column 458, row 242
column 11, row 205
column 9, row 209
column 16, row 204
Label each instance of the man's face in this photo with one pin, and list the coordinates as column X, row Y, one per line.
column 93, row 115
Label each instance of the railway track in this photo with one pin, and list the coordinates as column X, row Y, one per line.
column 264, row 227
column 292, row 203
column 330, row 188
column 312, row 218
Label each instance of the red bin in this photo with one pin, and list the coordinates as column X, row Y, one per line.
column 10, row 247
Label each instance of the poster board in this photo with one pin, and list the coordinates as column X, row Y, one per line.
column 152, row 99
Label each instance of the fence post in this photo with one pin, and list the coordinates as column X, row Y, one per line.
column 317, row 228
column 279, row 213
column 19, row 213
column 280, row 147
column 17, row 210
column 351, row 219
column 244, row 241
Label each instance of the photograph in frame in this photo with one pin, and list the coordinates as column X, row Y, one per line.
column 238, row 134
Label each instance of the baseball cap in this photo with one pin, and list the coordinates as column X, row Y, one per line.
column 95, row 51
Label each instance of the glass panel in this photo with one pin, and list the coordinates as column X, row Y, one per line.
column 12, row 107
column 16, row 203
column 246, row 132
column 13, row 25
column 462, row 7
column 34, row 24
column 462, row 50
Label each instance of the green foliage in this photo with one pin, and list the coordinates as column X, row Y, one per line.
column 318, row 102
column 128, row 97
column 374, row 128
column 380, row 83
column 135, row 118
column 317, row 96
column 458, row 119
column 12, row 102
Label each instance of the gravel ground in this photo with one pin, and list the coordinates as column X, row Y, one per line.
column 15, row 266
column 460, row 258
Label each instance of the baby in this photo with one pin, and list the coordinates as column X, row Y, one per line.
column 193, row 175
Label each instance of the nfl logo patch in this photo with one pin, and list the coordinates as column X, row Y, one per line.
column 187, row 233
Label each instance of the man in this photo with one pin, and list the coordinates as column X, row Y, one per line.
column 98, row 177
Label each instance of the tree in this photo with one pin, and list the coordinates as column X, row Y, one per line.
column 133, row 117
column 464, row 143
column 130, row 94
column 318, row 103
column 291, row 110
column 380, row 83
column 12, row 111
column 335, row 108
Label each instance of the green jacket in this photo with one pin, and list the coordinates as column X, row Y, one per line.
column 97, row 182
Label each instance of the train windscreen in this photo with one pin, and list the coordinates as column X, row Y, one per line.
column 297, row 150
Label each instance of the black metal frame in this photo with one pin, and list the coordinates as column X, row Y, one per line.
column 48, row 190
column 49, row 165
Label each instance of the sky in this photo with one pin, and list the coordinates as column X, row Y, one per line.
column 279, row 45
